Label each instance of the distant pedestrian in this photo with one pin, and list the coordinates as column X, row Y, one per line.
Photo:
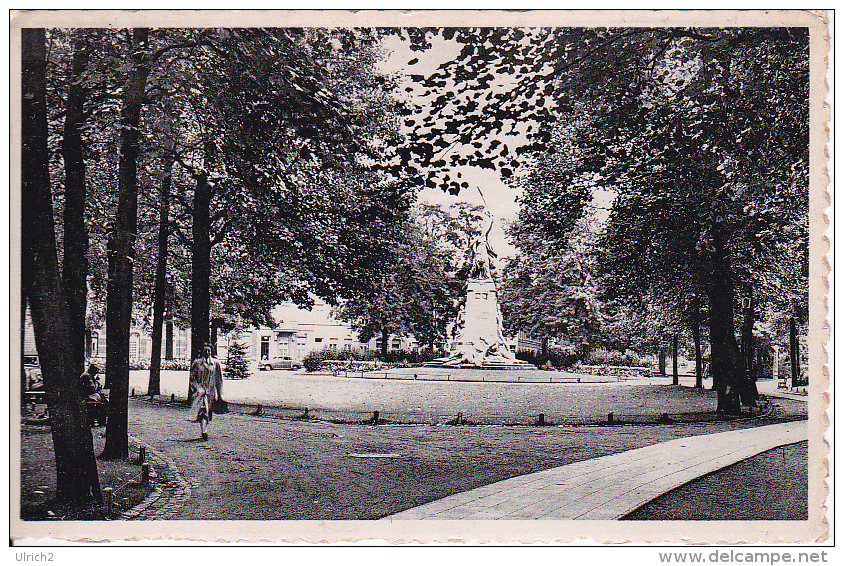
column 206, row 385
column 91, row 386
column 96, row 401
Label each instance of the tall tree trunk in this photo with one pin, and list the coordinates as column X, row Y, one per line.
column 119, row 300
column 727, row 371
column 545, row 348
column 112, row 278
column 696, row 336
column 75, row 264
column 168, row 340
column 794, row 352
column 662, row 361
column 748, row 352
column 385, row 336
column 160, row 287
column 201, row 267
column 213, row 338
column 676, row 368
column 76, row 468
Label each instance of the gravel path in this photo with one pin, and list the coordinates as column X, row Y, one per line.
column 354, row 400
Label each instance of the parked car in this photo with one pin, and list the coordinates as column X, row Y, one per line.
column 284, row 362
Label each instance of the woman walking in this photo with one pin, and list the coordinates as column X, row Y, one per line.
column 206, row 385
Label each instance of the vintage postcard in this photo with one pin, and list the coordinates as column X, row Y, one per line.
column 420, row 276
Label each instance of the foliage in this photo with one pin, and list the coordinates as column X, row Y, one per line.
column 412, row 290
column 313, row 361
column 236, row 365
column 407, row 358
column 599, row 356
column 166, row 365
column 549, row 291
column 558, row 356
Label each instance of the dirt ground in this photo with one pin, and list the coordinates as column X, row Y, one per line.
column 38, row 479
column 341, row 399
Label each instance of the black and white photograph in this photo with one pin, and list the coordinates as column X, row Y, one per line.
column 337, row 275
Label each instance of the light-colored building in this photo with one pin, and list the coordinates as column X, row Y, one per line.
column 298, row 333
column 301, row 331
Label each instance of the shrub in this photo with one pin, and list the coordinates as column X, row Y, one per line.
column 139, row 364
column 168, row 365
column 601, row 357
column 313, row 361
column 236, row 365
column 558, row 356
column 175, row 365
column 404, row 358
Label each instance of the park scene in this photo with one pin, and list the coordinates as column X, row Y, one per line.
column 403, row 273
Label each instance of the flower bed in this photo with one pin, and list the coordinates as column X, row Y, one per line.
column 620, row 371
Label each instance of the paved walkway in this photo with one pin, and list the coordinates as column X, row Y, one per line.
column 608, row 487
column 769, row 387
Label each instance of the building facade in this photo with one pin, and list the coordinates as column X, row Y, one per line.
column 299, row 333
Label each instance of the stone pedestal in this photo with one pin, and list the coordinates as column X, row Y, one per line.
column 481, row 342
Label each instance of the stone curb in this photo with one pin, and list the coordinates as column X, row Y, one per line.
column 167, row 498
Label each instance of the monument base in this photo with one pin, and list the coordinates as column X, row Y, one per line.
column 481, row 343
column 449, row 363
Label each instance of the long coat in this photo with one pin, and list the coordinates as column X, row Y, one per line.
column 206, row 383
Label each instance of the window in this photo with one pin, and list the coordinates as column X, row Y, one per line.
column 332, row 343
column 95, row 344
column 396, row 345
column 265, row 347
column 134, row 339
column 318, row 340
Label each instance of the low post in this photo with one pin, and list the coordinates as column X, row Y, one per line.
column 375, row 416
column 610, row 418
column 541, row 420
column 172, row 397
column 133, row 392
column 108, row 499
column 145, row 473
column 142, row 454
